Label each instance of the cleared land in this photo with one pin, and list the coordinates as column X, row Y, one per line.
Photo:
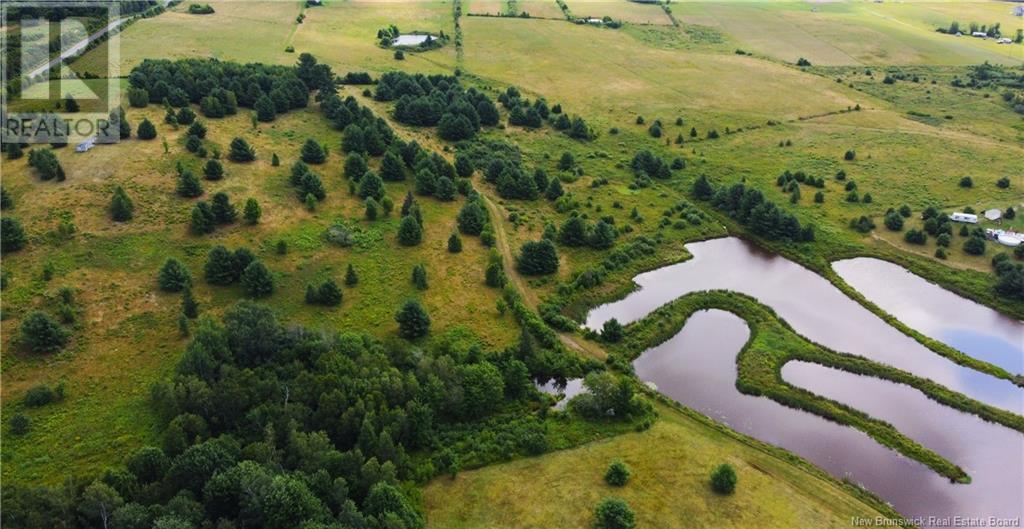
column 848, row 33
column 127, row 336
column 669, row 488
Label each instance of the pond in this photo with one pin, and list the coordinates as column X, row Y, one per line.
column 563, row 390
column 409, row 40
column 697, row 367
column 934, row 311
column 811, row 305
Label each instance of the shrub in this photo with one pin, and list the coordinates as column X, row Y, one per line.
column 454, row 243
column 850, row 155
column 146, row 130
column 1003, row 183
column 413, row 321
column 409, row 232
column 121, row 207
column 723, row 479
column 617, row 474
column 173, row 276
column 241, row 151
column 915, row 237
column 537, row 258
column 611, row 331
column 257, row 280
column 614, row 513
column 20, row 425
column 966, row 182
column 974, row 245
column 41, row 333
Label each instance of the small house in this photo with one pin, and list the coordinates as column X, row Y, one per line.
column 1005, row 40
column 963, row 217
column 980, row 34
column 89, row 143
column 993, row 214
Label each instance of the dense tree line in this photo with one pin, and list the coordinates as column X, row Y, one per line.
column 437, row 100
column 219, row 88
column 274, row 426
column 749, row 207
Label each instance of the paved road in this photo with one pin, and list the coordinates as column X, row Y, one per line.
column 75, row 49
column 79, row 46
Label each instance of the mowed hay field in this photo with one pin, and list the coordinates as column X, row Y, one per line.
column 250, row 31
column 622, row 10
column 848, row 33
column 626, row 77
column 344, row 35
column 127, row 334
column 670, row 465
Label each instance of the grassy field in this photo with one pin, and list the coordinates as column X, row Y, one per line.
column 670, row 464
column 856, row 33
column 623, row 10
column 127, row 335
column 908, row 151
column 237, row 31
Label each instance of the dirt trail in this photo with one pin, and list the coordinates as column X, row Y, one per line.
column 529, row 296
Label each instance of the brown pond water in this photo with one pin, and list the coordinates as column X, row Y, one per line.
column 936, row 312
column 813, row 307
column 697, row 367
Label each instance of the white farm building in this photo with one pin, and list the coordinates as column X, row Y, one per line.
column 964, row 217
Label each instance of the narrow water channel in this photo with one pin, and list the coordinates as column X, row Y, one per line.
column 936, row 312
column 813, row 307
column 697, row 367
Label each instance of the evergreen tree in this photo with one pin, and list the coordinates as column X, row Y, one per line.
column 188, row 185
column 723, row 479
column 603, row 236
column 146, row 130
column 313, row 153
column 419, row 277
column 454, row 243
column 121, row 207
column 257, row 280
column 702, row 189
column 189, row 305
column 70, row 105
column 573, row 232
column 611, row 331
column 252, row 211
column 391, row 167
column 274, row 160
column 370, row 185
column 220, row 267
column 413, row 321
column 426, row 182
column 471, row 218
column 537, row 258
column 241, row 151
column 351, row 279
column 614, row 513
column 173, row 276
column 265, row 110
column 618, row 473
column 463, row 166
column 6, row 202
column 409, row 232
column 41, row 333
column 372, row 209
column 187, row 117
column 12, row 235
column 124, row 128
column 193, row 143
column 213, row 170
column 197, row 129
column 223, row 211
column 445, row 189
column 554, row 190
column 355, row 166
column 14, row 151
column 203, row 220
